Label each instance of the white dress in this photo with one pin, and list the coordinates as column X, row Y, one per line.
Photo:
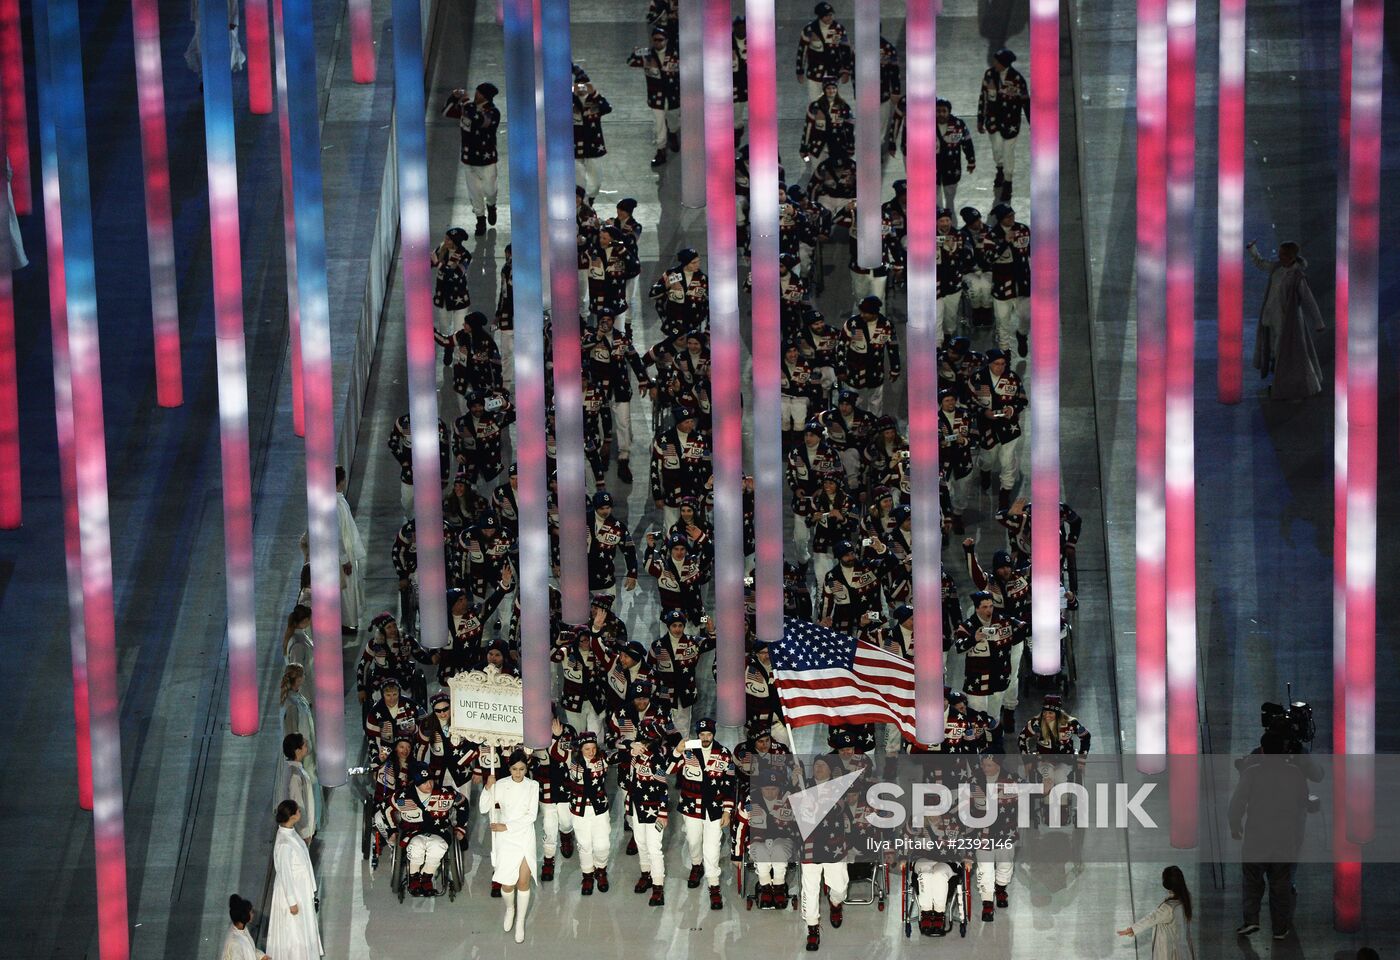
column 292, row 937
column 238, row 945
column 519, row 808
column 352, row 551
column 1171, row 932
column 298, row 717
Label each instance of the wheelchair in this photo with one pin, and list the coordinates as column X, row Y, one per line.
column 873, row 878
column 956, row 910
column 770, row 851
column 1031, row 685
column 447, row 878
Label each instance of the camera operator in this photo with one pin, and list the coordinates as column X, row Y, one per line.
column 1269, row 810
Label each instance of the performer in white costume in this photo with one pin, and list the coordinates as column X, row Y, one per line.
column 238, row 942
column 513, row 805
column 292, row 933
column 352, row 561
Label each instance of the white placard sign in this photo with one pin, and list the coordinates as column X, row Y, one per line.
column 487, row 707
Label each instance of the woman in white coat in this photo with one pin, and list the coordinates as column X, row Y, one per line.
column 292, row 930
column 1170, row 923
column 238, row 943
column 513, row 805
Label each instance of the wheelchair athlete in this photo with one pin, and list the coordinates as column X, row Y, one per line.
column 425, row 819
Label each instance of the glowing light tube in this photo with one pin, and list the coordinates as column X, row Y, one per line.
column 289, row 226
column 11, row 494
column 1363, row 336
column 869, row 136
column 1045, row 337
column 927, row 535
column 564, row 297
column 532, row 482
column 255, row 22
column 321, row 517
column 691, row 44
column 221, row 153
column 725, row 402
column 1151, row 517
column 13, row 113
column 160, row 238
column 411, row 151
column 69, row 123
column 765, row 311
column 1182, row 726
column 362, row 41
column 63, row 400
column 1346, row 865
column 1230, row 205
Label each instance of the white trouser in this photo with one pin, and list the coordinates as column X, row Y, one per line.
column 1004, row 155
column 505, row 341
column 959, row 491
column 872, row 399
column 979, row 289
column 994, row 867
column 651, row 855
column 587, row 719
column 702, row 837
column 834, row 204
column 850, row 460
column 988, row 703
column 557, row 820
column 669, row 516
column 425, row 853
column 1004, row 460
column 741, row 116
column 622, row 429
column 948, row 314
column 448, row 323
column 865, row 284
column 822, row 564
column 812, row 875
column 1011, row 697
column 589, row 174
column 814, row 90
column 801, row 537
column 805, row 252
column 1012, row 316
column 771, row 872
column 794, row 412
column 594, row 833
column 947, row 196
column 664, row 122
column 934, row 878
column 481, row 187
column 584, row 307
column 406, row 500
column 886, row 109
column 680, row 716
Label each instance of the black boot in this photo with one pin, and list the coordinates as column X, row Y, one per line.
column 491, row 214
column 660, row 158
column 1003, row 499
column 996, row 184
column 1022, row 344
column 1008, row 720
column 624, row 472
column 958, row 527
column 480, row 226
column 673, row 141
column 814, row 938
column 986, row 479
column 1006, row 191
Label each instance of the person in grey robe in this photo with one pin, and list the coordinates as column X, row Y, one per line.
column 1283, row 343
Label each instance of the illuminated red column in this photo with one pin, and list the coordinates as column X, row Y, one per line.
column 1045, row 337
column 869, row 136
column 1229, row 215
column 769, row 486
column 1363, row 336
column 160, row 237
column 90, row 455
column 255, row 23
column 691, row 48
column 13, row 113
column 289, row 224
column 1346, row 866
column 361, row 41
column 926, row 534
column 11, row 497
column 1182, row 732
column 725, row 402
column 1151, row 519
column 63, row 402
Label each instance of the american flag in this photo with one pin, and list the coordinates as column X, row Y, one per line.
column 829, row 677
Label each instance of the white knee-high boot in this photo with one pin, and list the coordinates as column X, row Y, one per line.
column 510, row 908
column 522, row 903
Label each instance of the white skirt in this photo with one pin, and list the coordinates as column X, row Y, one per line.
column 509, row 849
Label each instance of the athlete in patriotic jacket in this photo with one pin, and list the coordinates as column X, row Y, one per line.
column 851, row 592
column 661, row 64
column 680, row 464
column 582, row 695
column 619, row 666
column 478, row 434
column 807, row 464
column 606, row 538
column 556, row 821
column 642, row 718
column 680, row 574
column 1017, row 521
column 799, row 387
column 833, row 519
column 847, row 426
column 612, row 263
column 765, row 833
column 432, row 740
column 954, row 142
column 957, row 364
column 979, row 281
column 793, row 290
column 996, row 864
column 821, row 346
column 486, row 552
column 648, row 804
column 898, row 581
column 1009, row 583
column 588, row 803
column 706, row 782
column 425, row 816
column 823, row 857
column 1005, row 97
column 954, row 262
column 749, row 753
column 966, row 731
column 762, row 705
column 1006, row 249
column 392, row 717
column 673, row 660
column 999, row 397
column 393, row 774
column 401, row 446
column 880, row 457
column 830, row 127
column 823, row 50
column 989, row 640
column 958, row 440
column 682, row 295
column 1049, row 737
column 611, row 356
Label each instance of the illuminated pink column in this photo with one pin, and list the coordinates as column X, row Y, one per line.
column 11, row 498
column 725, row 403
column 691, row 46
column 869, row 136
column 1346, row 867
column 13, row 112
column 362, row 41
column 769, row 486
column 1045, row 337
column 160, row 237
column 1151, row 521
column 1182, row 734
column 927, row 535
column 1229, row 215
column 255, row 23
column 1363, row 335
column 289, row 225
column 63, row 403
column 90, row 454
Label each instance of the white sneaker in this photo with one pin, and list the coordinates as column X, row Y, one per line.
column 1247, row 929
